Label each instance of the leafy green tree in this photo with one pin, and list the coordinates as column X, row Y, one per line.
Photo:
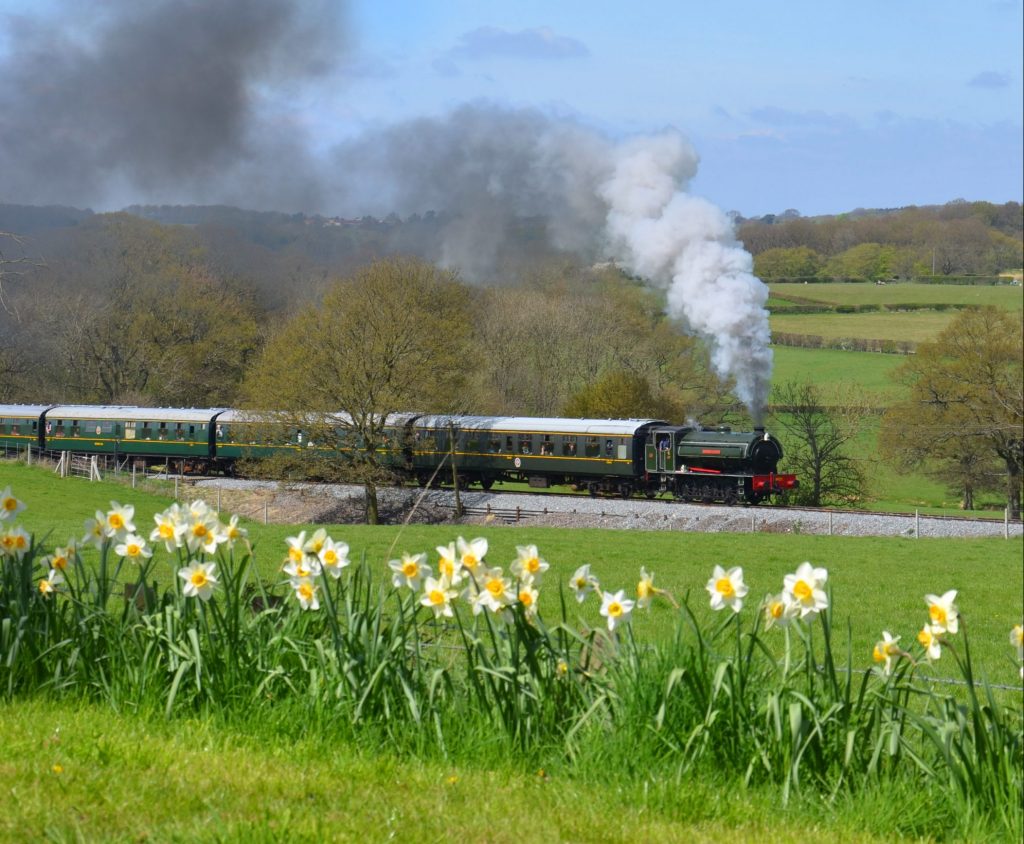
column 794, row 262
column 393, row 337
column 617, row 394
column 820, row 430
column 966, row 397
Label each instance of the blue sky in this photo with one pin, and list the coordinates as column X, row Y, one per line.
column 818, row 106
column 822, row 107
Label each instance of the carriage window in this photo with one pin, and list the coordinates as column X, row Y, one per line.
column 473, row 445
column 129, row 430
column 569, row 446
column 494, row 446
column 508, row 444
column 593, row 447
column 179, row 431
column 15, row 429
column 75, row 428
column 525, row 443
column 545, row 446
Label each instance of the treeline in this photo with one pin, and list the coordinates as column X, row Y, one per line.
column 960, row 238
column 126, row 310
column 844, row 344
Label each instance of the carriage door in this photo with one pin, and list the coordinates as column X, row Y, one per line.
column 658, row 453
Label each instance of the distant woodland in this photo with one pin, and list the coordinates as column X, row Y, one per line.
column 171, row 305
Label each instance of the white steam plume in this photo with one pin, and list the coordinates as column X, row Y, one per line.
column 489, row 167
column 686, row 244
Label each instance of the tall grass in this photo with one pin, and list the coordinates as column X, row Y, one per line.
column 375, row 664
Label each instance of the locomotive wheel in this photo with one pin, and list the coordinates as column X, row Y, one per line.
column 650, row 493
column 593, row 489
column 730, row 497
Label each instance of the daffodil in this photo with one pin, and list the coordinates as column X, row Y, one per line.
column 645, row 589
column 438, row 595
column 15, row 542
column 805, row 589
column 448, row 565
column 133, row 548
column 95, row 530
column 313, row 545
column 616, row 608
column 1017, row 639
column 886, row 651
column 305, row 567
column 583, row 583
column 9, row 505
column 198, row 509
column 203, row 533
column 119, row 520
column 409, row 571
column 943, row 612
column 527, row 597
column 306, row 590
column 234, row 531
column 930, row 641
column 296, row 554
column 49, row 584
column 169, row 530
column 494, row 593
column 200, row 580
column 61, row 558
column 727, row 588
column 778, row 610
column 333, row 556
column 529, row 563
column 471, row 554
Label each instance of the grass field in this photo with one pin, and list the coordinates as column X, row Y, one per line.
column 325, row 725
column 879, row 583
column 833, row 369
column 913, row 326
column 1008, row 297
column 84, row 773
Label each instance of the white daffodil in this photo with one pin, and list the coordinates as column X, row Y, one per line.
column 448, row 565
column 616, row 608
column 313, row 545
column 471, row 554
column 168, row 530
column 15, row 542
column 202, row 533
column 583, row 583
column 118, row 521
column 200, row 580
column 645, row 589
column 305, row 567
column 133, row 548
column 438, row 595
column 60, row 559
column 527, row 597
column 886, row 651
column 49, row 584
column 495, row 592
column 930, row 641
column 234, row 531
column 1017, row 639
column 529, row 563
column 296, row 554
column 95, row 530
column 9, row 505
column 409, row 571
column 943, row 612
column 727, row 588
column 777, row 610
column 805, row 588
column 197, row 510
column 306, row 590
column 333, row 556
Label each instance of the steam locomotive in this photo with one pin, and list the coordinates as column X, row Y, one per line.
column 622, row 457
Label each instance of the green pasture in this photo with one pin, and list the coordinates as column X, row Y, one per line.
column 832, row 369
column 82, row 772
column 912, row 326
column 1008, row 297
column 878, row 583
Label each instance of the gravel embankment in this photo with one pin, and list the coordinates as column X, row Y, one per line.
column 574, row 511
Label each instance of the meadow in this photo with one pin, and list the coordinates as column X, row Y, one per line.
column 912, row 326
column 1009, row 297
column 369, row 718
